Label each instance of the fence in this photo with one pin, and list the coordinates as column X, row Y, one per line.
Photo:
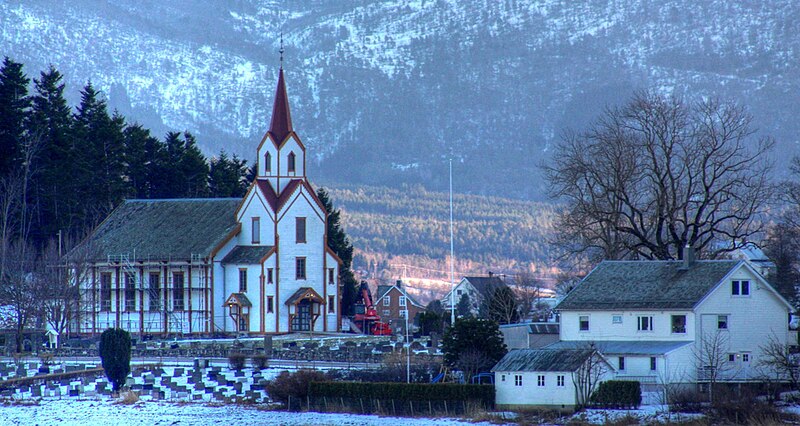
column 387, row 407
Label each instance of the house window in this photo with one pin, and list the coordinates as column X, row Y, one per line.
column 291, row 167
column 130, row 292
column 679, row 324
column 621, row 363
column 583, row 323
column 300, row 268
column 300, row 229
column 502, row 377
column 154, row 291
column 387, row 300
column 559, row 380
column 616, row 319
column 722, row 322
column 740, row 288
column 517, row 380
column 386, row 312
column 645, row 323
column 745, row 357
column 268, row 162
column 256, row 230
column 403, row 313
column 242, row 280
column 540, row 380
column 331, row 304
column 731, row 357
column 269, row 275
column 177, row 291
column 270, row 304
column 105, row 292
column 458, row 292
column 331, row 276
column 402, row 301
column 652, row 363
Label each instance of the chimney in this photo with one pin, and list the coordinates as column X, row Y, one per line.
column 688, row 257
column 491, row 274
column 399, row 283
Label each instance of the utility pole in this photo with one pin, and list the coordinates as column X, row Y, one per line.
column 452, row 255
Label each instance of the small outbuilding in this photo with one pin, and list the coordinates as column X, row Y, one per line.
column 533, row 379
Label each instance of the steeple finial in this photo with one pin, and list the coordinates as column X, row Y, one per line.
column 281, row 50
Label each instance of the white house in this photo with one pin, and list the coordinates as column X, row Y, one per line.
column 676, row 321
column 546, row 378
column 259, row 264
column 477, row 289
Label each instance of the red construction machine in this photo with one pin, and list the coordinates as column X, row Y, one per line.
column 367, row 316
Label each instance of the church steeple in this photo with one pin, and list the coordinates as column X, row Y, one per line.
column 281, row 124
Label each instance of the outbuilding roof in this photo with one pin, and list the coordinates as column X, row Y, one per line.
column 174, row 229
column 647, row 285
column 543, row 360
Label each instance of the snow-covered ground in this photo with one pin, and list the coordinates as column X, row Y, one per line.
column 105, row 412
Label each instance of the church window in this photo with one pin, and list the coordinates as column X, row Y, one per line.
column 154, row 292
column 256, row 230
column 300, row 229
column 130, row 292
column 177, row 291
column 105, row 292
column 242, row 280
column 331, row 304
column 269, row 275
column 268, row 162
column 270, row 304
column 300, row 268
column 291, row 167
column 331, row 276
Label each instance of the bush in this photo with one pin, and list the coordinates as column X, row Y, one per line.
column 295, row 385
column 618, row 394
column 260, row 361
column 685, row 401
column 406, row 391
column 236, row 360
column 744, row 407
column 115, row 353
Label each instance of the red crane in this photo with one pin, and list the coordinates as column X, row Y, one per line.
column 367, row 315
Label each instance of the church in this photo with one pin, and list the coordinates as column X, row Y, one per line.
column 258, row 265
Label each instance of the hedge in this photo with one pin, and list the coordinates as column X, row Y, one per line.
column 405, row 391
column 618, row 394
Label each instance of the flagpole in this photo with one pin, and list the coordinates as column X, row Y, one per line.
column 452, row 255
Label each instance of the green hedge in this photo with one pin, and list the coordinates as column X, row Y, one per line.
column 618, row 394
column 405, row 391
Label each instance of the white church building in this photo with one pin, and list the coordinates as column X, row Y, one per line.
column 256, row 265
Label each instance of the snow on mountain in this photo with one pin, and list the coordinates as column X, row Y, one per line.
column 379, row 85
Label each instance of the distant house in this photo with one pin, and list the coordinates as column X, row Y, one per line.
column 659, row 321
column 756, row 257
column 392, row 304
column 543, row 378
column 529, row 335
column 477, row 290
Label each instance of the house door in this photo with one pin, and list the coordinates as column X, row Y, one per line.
column 302, row 321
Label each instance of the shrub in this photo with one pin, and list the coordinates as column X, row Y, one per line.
column 618, row 394
column 744, row 407
column 685, row 401
column 295, row 385
column 236, row 360
column 128, row 398
column 115, row 353
column 260, row 361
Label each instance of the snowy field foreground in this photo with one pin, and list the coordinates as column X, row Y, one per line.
column 95, row 412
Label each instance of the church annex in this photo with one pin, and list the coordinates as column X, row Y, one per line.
column 204, row 266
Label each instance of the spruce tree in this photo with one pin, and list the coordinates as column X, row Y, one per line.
column 227, row 177
column 14, row 109
column 340, row 244
column 115, row 354
column 139, row 159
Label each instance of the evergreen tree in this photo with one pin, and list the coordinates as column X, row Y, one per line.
column 340, row 244
column 185, row 171
column 194, row 167
column 55, row 190
column 115, row 354
column 14, row 109
column 473, row 345
column 464, row 307
column 227, row 177
column 141, row 155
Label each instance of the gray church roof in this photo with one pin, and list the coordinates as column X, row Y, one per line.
column 172, row 229
column 543, row 360
column 647, row 285
column 246, row 255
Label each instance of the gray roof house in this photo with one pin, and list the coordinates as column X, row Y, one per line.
column 476, row 288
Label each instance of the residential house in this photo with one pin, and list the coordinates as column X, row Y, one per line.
column 477, row 289
column 393, row 303
column 688, row 321
column 259, row 264
column 545, row 378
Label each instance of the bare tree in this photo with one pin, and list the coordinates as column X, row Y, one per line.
column 20, row 290
column 588, row 376
column 61, row 277
column 658, row 174
column 529, row 291
column 777, row 361
column 711, row 358
column 501, row 306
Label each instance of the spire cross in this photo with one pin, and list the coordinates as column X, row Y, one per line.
column 281, row 50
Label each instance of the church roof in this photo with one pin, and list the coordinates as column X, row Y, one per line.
column 276, row 202
column 247, row 255
column 281, row 124
column 172, row 229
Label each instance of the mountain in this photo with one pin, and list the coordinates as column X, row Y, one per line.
column 385, row 92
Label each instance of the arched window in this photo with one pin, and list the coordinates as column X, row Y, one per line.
column 291, row 162
column 268, row 162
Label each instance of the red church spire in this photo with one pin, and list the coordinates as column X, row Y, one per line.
column 281, row 124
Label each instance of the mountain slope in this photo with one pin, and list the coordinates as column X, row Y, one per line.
column 386, row 92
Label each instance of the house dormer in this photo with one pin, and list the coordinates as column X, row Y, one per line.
column 281, row 154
